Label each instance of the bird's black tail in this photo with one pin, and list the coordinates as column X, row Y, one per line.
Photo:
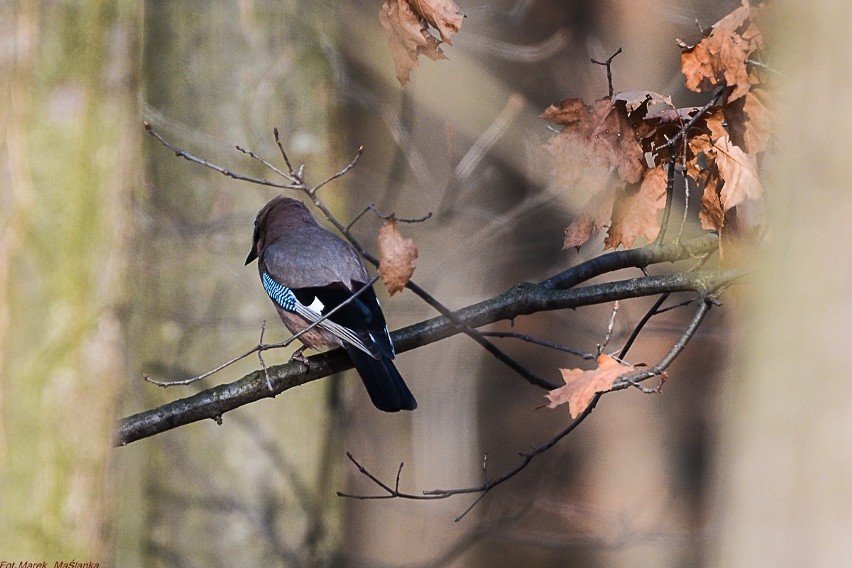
column 384, row 384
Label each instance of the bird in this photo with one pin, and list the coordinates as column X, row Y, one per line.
column 307, row 271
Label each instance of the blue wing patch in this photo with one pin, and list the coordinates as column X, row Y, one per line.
column 286, row 300
column 280, row 294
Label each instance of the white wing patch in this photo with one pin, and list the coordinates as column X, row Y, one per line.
column 316, row 306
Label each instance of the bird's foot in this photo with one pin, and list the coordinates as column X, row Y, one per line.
column 297, row 356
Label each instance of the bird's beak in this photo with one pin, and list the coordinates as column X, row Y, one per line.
column 251, row 256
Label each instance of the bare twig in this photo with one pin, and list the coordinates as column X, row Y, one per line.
column 488, row 484
column 537, row 341
column 609, row 328
column 288, row 176
column 482, row 489
column 654, row 310
column 340, row 173
column 765, row 67
column 392, row 215
column 633, row 379
column 281, row 148
column 260, row 356
column 608, row 65
column 201, row 161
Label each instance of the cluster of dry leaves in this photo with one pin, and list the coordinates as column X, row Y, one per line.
column 408, row 25
column 617, row 149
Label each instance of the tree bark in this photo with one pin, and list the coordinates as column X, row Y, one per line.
column 784, row 465
column 69, row 159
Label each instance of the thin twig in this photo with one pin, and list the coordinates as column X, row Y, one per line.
column 482, row 489
column 537, row 341
column 676, row 306
column 608, row 64
column 288, row 176
column 341, row 173
column 609, row 328
column 372, row 207
column 224, row 171
column 633, row 379
column 281, row 148
column 765, row 67
column 638, row 329
column 260, row 356
column 392, row 492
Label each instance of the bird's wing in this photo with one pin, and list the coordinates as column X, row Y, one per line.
column 286, row 300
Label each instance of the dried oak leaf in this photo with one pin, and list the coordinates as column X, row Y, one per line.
column 749, row 120
column 443, row 15
column 635, row 214
column 721, row 56
column 396, row 257
column 582, row 386
column 596, row 136
column 636, row 100
column 712, row 215
column 406, row 23
column 739, row 171
column 596, row 213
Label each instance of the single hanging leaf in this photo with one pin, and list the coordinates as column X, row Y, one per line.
column 406, row 24
column 582, row 386
column 396, row 257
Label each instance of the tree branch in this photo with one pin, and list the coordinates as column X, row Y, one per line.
column 523, row 299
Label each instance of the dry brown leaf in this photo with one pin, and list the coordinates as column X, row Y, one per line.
column 749, row 121
column 635, row 215
column 443, row 15
column 595, row 215
column 406, row 23
column 720, row 57
column 739, row 171
column 396, row 257
column 582, row 386
column 599, row 135
column 635, row 100
column 712, row 214
column 616, row 150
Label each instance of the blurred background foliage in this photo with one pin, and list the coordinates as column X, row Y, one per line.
column 118, row 259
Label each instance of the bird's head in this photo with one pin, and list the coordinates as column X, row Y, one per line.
column 277, row 217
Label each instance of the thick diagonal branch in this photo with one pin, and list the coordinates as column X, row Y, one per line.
column 523, row 299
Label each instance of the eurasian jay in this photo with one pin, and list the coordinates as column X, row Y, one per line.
column 307, row 272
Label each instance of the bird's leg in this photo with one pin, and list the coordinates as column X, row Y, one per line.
column 297, row 355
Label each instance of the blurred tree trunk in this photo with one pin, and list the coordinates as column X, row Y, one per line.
column 255, row 491
column 68, row 162
column 784, row 466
